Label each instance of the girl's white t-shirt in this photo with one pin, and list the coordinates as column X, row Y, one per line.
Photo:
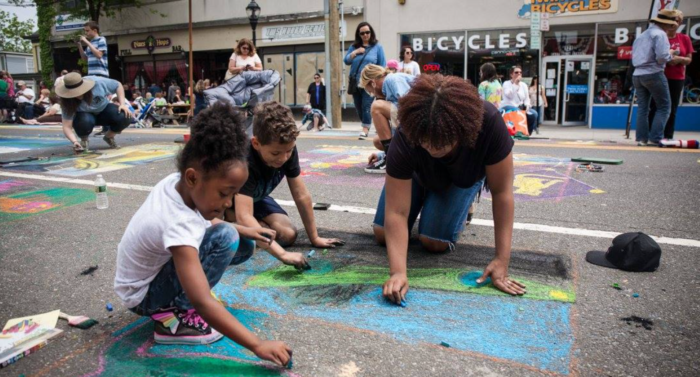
column 249, row 60
column 163, row 221
column 411, row 68
column 57, row 108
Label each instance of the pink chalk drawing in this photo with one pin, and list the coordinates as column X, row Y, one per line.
column 9, row 184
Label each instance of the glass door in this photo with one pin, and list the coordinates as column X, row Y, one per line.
column 552, row 69
column 577, row 79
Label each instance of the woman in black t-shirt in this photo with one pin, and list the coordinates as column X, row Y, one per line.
column 450, row 141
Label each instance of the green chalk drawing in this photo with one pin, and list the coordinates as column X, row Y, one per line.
column 133, row 353
column 24, row 204
column 445, row 279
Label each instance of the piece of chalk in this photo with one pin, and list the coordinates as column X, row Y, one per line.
column 109, row 307
column 445, row 344
column 311, row 253
column 403, row 304
column 324, row 252
column 635, row 295
column 290, row 364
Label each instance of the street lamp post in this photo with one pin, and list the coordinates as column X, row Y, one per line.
column 253, row 11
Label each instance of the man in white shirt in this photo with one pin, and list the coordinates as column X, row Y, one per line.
column 25, row 101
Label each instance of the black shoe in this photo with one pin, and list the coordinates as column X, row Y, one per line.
column 183, row 327
column 378, row 167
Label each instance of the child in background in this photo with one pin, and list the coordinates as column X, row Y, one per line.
column 316, row 117
column 272, row 157
column 175, row 248
column 160, row 100
column 392, row 66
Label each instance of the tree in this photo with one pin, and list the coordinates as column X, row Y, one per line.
column 11, row 32
column 88, row 9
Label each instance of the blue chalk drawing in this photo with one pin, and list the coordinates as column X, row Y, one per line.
column 530, row 332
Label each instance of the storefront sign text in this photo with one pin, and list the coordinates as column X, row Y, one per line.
column 151, row 43
column 622, row 34
column 577, row 89
column 283, row 33
column 504, row 41
column 438, row 43
column 624, row 53
column 65, row 22
column 568, row 7
column 431, row 67
column 510, row 52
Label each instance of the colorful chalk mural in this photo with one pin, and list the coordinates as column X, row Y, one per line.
column 536, row 177
column 132, row 352
column 19, row 199
column 546, row 178
column 20, row 144
column 97, row 162
column 339, row 165
column 444, row 305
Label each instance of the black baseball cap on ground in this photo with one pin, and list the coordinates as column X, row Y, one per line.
column 636, row 252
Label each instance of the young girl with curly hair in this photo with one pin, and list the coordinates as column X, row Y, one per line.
column 450, row 141
column 175, row 248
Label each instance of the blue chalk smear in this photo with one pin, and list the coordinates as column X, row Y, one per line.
column 469, row 279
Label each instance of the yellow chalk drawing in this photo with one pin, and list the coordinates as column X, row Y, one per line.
column 534, row 184
column 597, row 191
column 559, row 295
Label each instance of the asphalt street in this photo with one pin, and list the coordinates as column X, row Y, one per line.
column 571, row 322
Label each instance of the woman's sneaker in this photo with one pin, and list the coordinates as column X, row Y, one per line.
column 183, row 327
column 363, row 135
column 110, row 141
column 378, row 167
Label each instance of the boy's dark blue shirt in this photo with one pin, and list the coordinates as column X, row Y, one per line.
column 263, row 179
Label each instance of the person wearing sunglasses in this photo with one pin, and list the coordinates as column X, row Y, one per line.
column 407, row 65
column 243, row 58
column 516, row 96
column 365, row 50
column 316, row 94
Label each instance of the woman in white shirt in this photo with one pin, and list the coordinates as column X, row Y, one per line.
column 52, row 114
column 407, row 65
column 516, row 96
column 243, row 58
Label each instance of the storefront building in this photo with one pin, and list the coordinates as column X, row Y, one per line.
column 584, row 59
column 146, row 47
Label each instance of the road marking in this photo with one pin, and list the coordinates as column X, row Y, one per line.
column 372, row 211
column 352, row 136
column 75, row 181
column 605, row 147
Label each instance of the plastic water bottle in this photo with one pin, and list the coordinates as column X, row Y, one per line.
column 101, row 193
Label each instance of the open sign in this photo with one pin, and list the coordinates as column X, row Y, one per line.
column 431, row 67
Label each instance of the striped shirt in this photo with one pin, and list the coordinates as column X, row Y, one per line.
column 97, row 66
column 651, row 51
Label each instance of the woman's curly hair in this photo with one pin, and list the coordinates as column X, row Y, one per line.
column 439, row 110
column 217, row 141
column 274, row 122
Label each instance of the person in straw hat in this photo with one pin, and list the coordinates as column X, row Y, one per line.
column 85, row 103
column 651, row 52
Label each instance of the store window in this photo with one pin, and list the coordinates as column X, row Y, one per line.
column 503, row 49
column 613, row 81
column 569, row 40
column 436, row 52
column 692, row 72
